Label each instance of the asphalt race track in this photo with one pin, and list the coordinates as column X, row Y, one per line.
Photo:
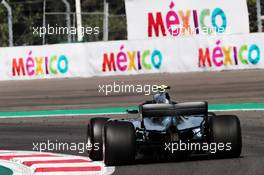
column 217, row 87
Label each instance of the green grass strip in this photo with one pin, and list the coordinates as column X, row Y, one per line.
column 120, row 110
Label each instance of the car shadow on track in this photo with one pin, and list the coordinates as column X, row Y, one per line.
column 180, row 159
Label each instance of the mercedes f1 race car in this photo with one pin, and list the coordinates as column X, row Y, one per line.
column 164, row 128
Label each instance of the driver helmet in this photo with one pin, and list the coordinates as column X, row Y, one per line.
column 160, row 98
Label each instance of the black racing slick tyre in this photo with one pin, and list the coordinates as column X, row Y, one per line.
column 119, row 143
column 95, row 138
column 225, row 130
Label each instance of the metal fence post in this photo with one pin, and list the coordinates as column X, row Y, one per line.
column 106, row 18
column 259, row 16
column 79, row 20
column 44, row 21
column 68, row 18
column 10, row 22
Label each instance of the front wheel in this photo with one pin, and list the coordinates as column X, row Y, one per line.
column 94, row 137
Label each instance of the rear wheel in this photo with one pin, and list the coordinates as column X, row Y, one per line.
column 94, row 137
column 225, row 129
column 119, row 143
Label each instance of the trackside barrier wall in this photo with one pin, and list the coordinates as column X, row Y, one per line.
column 163, row 18
column 163, row 55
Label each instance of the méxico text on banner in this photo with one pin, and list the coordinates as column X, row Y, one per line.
column 173, row 18
column 162, row 55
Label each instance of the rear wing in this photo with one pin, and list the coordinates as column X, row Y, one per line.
column 161, row 110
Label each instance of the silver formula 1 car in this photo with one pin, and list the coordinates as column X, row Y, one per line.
column 166, row 129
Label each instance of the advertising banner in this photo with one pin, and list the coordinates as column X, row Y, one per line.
column 163, row 55
column 174, row 18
